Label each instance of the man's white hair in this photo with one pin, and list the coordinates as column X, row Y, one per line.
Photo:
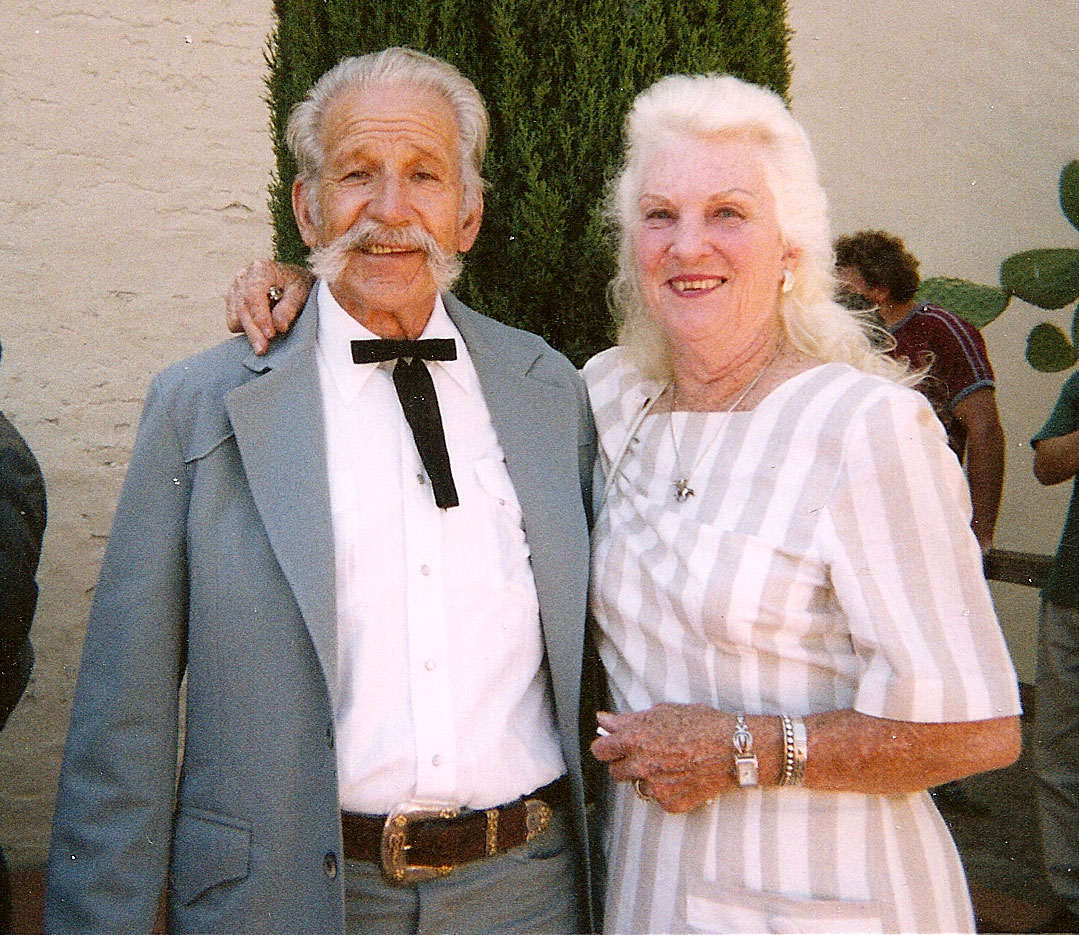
column 721, row 107
column 391, row 66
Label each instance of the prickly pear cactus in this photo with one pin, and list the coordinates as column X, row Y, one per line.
column 976, row 304
column 1050, row 279
column 1047, row 278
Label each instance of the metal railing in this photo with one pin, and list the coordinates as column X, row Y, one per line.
column 1017, row 567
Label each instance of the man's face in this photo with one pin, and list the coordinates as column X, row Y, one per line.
column 392, row 172
column 853, row 283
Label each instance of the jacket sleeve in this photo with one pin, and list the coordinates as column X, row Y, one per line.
column 110, row 842
column 22, row 526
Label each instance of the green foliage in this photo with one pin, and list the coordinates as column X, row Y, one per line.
column 558, row 79
column 976, row 304
column 1051, row 280
column 1069, row 193
column 1049, row 350
column 1046, row 278
column 298, row 53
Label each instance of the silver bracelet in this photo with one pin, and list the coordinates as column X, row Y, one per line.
column 745, row 760
column 795, row 751
column 788, row 751
column 801, row 752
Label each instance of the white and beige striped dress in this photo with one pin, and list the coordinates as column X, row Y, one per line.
column 825, row 562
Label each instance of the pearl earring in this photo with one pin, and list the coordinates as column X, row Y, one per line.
column 788, row 281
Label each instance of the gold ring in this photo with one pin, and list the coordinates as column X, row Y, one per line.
column 641, row 794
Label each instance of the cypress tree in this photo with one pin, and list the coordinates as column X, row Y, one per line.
column 558, row 80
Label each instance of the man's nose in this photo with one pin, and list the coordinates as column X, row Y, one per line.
column 389, row 203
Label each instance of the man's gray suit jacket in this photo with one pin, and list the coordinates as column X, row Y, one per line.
column 220, row 564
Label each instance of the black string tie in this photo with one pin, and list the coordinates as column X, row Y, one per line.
column 416, row 390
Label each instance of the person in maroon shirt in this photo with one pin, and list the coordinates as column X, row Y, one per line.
column 959, row 383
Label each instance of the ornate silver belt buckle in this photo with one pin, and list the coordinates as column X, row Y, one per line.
column 395, row 846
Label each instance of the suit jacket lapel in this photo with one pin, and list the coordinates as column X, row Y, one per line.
column 277, row 419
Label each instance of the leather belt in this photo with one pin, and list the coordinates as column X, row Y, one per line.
column 418, row 841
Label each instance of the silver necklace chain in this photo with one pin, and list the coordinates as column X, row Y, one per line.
column 682, row 490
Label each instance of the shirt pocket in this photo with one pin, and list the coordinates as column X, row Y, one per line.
column 505, row 526
column 724, row 906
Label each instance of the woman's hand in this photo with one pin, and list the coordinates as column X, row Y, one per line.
column 248, row 307
column 680, row 755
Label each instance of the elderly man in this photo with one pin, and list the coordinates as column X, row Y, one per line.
column 383, row 673
column 960, row 385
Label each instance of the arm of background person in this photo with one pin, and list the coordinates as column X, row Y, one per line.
column 985, row 460
column 22, row 525
column 248, row 307
column 1056, row 459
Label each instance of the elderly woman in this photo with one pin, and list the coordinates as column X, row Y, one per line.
column 789, row 598
column 790, row 603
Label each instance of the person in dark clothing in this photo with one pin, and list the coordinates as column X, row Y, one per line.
column 22, row 526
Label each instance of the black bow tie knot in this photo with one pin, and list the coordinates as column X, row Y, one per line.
column 416, row 390
column 378, row 350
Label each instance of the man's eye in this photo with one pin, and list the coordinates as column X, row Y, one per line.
column 728, row 213
column 658, row 214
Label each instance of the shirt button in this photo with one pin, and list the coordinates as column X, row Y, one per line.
column 420, row 479
column 425, row 570
column 436, row 760
column 429, row 665
column 329, row 866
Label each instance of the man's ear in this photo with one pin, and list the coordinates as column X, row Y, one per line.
column 470, row 228
column 301, row 209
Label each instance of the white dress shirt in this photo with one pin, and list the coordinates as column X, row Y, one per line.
column 443, row 688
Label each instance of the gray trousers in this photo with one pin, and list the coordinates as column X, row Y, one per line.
column 1056, row 747
column 530, row 889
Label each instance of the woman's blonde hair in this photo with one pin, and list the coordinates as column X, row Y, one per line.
column 717, row 107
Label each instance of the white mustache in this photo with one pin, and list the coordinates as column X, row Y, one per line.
column 329, row 261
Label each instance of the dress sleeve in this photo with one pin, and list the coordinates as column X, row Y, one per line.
column 907, row 572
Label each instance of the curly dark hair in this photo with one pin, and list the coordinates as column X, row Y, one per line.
column 883, row 262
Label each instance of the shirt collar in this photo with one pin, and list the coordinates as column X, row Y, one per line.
column 337, row 329
column 892, row 329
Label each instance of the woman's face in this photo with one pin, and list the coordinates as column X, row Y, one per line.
column 709, row 253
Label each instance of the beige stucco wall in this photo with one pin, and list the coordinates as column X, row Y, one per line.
column 136, row 160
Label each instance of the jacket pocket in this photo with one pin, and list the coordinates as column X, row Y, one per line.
column 208, row 849
column 724, row 906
